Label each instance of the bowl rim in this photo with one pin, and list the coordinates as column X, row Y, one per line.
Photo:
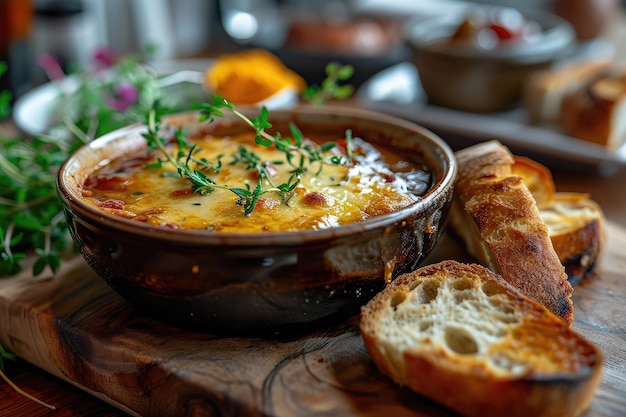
column 109, row 221
column 558, row 37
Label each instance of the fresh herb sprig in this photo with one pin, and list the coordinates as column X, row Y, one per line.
column 333, row 86
column 197, row 171
column 30, row 212
column 298, row 153
column 117, row 91
column 4, row 354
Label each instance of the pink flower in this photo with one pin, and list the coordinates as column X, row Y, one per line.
column 124, row 96
column 104, row 57
column 51, row 66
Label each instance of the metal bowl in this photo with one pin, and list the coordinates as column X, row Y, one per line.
column 260, row 282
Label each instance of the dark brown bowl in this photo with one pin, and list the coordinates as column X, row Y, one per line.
column 256, row 283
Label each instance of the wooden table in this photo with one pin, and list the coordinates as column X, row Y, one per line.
column 72, row 401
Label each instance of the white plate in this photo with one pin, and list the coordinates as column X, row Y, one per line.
column 397, row 91
column 34, row 112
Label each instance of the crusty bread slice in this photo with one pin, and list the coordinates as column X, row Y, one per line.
column 538, row 179
column 575, row 222
column 497, row 217
column 596, row 112
column 577, row 231
column 543, row 91
column 463, row 336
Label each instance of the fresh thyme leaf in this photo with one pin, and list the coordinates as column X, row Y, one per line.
column 261, row 122
column 342, row 72
column 296, row 133
column 241, row 192
column 5, row 108
column 5, row 96
column 330, row 88
column 327, row 146
column 260, row 140
column 10, row 263
column 213, row 108
column 46, row 259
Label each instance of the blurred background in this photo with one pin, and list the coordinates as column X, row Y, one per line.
column 306, row 34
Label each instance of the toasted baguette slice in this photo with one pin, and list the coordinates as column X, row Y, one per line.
column 575, row 222
column 543, row 91
column 577, row 231
column 463, row 336
column 538, row 179
column 596, row 112
column 497, row 217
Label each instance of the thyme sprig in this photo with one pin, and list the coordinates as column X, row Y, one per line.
column 332, row 87
column 298, row 153
column 197, row 170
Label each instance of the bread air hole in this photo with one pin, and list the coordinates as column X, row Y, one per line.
column 398, row 298
column 491, row 288
column 428, row 291
column 461, row 284
column 425, row 325
column 502, row 306
column 462, row 290
column 460, row 296
column 414, row 284
column 460, row 341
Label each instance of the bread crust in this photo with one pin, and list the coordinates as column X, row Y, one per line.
column 595, row 111
column 544, row 91
column 538, row 179
column 577, row 231
column 498, row 218
column 575, row 222
column 520, row 359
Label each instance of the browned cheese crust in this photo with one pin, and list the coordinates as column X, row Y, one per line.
column 498, row 219
column 465, row 337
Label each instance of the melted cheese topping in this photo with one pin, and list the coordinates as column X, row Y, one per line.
column 379, row 182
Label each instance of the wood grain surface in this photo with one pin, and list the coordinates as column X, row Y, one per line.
column 76, row 328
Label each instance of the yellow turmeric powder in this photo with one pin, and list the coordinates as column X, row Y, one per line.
column 250, row 76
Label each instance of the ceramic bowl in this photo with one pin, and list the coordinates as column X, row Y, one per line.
column 483, row 80
column 260, row 283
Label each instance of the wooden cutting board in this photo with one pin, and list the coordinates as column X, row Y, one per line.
column 78, row 329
